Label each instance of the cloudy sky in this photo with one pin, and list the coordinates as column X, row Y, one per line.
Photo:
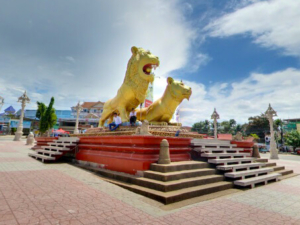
column 237, row 55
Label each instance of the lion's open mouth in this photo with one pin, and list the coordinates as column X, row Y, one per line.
column 148, row 68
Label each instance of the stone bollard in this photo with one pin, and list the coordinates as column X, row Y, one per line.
column 30, row 139
column 164, row 153
column 255, row 152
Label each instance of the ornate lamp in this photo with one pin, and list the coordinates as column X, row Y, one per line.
column 269, row 114
column 23, row 99
column 1, row 103
column 215, row 116
column 78, row 108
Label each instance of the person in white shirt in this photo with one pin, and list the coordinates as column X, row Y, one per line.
column 116, row 123
column 132, row 117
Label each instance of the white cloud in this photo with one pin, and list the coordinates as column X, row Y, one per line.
column 198, row 61
column 100, row 42
column 246, row 98
column 273, row 24
column 70, row 58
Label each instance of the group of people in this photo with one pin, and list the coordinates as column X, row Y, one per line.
column 117, row 121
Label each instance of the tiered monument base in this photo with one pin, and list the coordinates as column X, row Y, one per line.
column 129, row 154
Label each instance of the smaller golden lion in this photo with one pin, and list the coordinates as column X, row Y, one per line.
column 163, row 109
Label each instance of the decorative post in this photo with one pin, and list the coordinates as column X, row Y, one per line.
column 30, row 139
column 164, row 153
column 78, row 109
column 269, row 114
column 1, row 103
column 23, row 99
column 215, row 116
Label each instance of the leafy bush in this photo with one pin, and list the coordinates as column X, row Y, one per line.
column 293, row 139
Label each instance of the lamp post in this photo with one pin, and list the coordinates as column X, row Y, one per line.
column 215, row 116
column 269, row 114
column 23, row 99
column 1, row 103
column 78, row 108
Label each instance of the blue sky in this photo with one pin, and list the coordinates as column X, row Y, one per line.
column 237, row 55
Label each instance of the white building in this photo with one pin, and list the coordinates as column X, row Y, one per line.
column 90, row 110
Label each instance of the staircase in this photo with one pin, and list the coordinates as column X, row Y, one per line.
column 244, row 170
column 56, row 149
column 172, row 182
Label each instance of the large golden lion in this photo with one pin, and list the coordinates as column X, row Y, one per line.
column 133, row 90
column 163, row 109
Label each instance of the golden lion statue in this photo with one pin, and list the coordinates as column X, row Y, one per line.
column 134, row 88
column 163, row 109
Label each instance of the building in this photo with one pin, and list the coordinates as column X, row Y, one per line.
column 291, row 124
column 88, row 117
column 61, row 114
column 9, row 120
column 90, row 109
column 66, row 119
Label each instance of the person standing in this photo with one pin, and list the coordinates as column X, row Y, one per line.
column 132, row 117
column 116, row 123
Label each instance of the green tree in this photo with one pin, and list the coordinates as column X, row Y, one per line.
column 202, row 127
column 47, row 116
column 278, row 125
column 258, row 125
column 228, row 127
column 293, row 139
column 41, row 110
column 255, row 136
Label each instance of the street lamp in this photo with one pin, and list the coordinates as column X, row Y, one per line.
column 1, row 103
column 269, row 115
column 215, row 116
column 23, row 99
column 78, row 108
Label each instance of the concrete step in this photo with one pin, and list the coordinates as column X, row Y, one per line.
column 284, row 172
column 128, row 181
column 42, row 157
column 61, row 144
column 255, row 180
column 49, row 152
column 218, row 150
column 67, row 139
column 262, row 160
column 209, row 141
column 288, row 176
column 218, row 155
column 269, row 164
column 177, row 184
column 178, row 195
column 178, row 166
column 240, row 166
column 242, row 174
column 276, row 168
column 155, row 175
column 235, row 160
column 55, row 148
column 216, row 145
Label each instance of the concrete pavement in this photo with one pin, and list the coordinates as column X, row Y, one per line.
column 35, row 193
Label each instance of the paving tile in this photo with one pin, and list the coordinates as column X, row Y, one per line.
column 35, row 193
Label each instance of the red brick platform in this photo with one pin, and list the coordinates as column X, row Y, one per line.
column 130, row 154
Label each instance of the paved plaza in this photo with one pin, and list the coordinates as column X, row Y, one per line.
column 35, row 193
